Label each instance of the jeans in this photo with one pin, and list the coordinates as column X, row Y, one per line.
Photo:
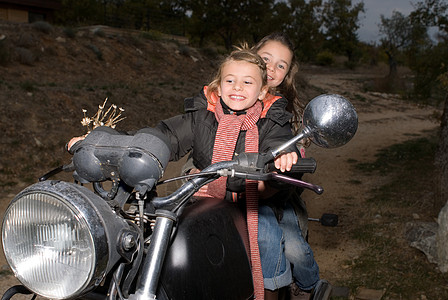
column 284, row 250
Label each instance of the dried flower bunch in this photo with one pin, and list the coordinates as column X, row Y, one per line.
column 109, row 117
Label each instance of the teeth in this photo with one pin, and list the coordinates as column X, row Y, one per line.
column 270, row 77
column 237, row 97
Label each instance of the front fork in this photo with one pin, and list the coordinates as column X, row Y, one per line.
column 153, row 263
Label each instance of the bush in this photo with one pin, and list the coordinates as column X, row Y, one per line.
column 25, row 56
column 5, row 53
column 210, row 52
column 97, row 51
column 28, row 86
column 152, row 35
column 350, row 64
column 325, row 58
column 70, row 32
column 184, row 50
column 99, row 32
column 26, row 40
column 43, row 27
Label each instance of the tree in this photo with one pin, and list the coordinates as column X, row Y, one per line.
column 426, row 57
column 304, row 27
column 258, row 16
column 435, row 13
column 396, row 33
column 341, row 21
column 83, row 12
column 229, row 20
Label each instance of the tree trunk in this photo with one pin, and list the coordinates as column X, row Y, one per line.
column 392, row 65
column 442, row 164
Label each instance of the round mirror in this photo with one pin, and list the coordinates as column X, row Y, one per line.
column 330, row 121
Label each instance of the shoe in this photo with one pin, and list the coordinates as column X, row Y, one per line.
column 298, row 294
column 322, row 290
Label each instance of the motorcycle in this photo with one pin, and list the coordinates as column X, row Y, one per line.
column 108, row 235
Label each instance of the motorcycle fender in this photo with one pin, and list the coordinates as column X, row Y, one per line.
column 208, row 257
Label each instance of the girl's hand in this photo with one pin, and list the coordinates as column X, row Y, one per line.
column 285, row 161
column 74, row 140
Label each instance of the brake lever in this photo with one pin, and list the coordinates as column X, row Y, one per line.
column 280, row 177
column 254, row 175
column 252, row 166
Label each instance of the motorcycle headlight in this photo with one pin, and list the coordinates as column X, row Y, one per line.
column 56, row 241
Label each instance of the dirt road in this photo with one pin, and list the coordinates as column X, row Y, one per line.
column 384, row 120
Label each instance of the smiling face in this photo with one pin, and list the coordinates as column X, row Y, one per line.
column 241, row 84
column 278, row 59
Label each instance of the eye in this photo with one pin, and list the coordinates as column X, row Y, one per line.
column 229, row 81
column 281, row 67
column 247, row 82
column 266, row 59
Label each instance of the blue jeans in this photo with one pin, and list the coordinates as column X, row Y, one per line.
column 284, row 250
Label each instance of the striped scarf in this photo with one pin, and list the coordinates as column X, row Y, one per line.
column 229, row 128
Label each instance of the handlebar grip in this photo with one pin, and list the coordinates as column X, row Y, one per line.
column 303, row 165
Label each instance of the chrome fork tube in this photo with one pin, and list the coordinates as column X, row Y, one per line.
column 152, row 266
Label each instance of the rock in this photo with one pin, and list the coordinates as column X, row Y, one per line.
column 340, row 291
column 442, row 239
column 369, row 294
column 422, row 235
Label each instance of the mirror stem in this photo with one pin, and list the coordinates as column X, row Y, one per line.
column 277, row 151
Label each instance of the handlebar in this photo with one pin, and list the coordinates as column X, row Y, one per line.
column 303, row 165
column 245, row 166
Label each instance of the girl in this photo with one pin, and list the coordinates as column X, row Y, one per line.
column 278, row 53
column 213, row 133
column 280, row 240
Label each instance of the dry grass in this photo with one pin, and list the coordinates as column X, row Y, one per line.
column 389, row 262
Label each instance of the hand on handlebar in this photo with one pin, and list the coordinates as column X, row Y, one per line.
column 285, row 161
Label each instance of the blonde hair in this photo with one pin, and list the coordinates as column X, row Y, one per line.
column 242, row 53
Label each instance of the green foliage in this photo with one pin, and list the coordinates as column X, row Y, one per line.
column 429, row 61
column 443, row 79
column 152, row 35
column 313, row 25
column 325, row 58
column 80, row 12
column 341, row 19
column 304, row 27
column 428, row 66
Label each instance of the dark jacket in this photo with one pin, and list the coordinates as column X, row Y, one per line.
column 195, row 131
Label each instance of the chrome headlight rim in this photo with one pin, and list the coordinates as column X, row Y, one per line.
column 78, row 199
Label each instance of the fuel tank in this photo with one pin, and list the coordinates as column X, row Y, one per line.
column 208, row 257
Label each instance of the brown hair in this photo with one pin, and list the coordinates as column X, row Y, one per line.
column 287, row 88
column 242, row 53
